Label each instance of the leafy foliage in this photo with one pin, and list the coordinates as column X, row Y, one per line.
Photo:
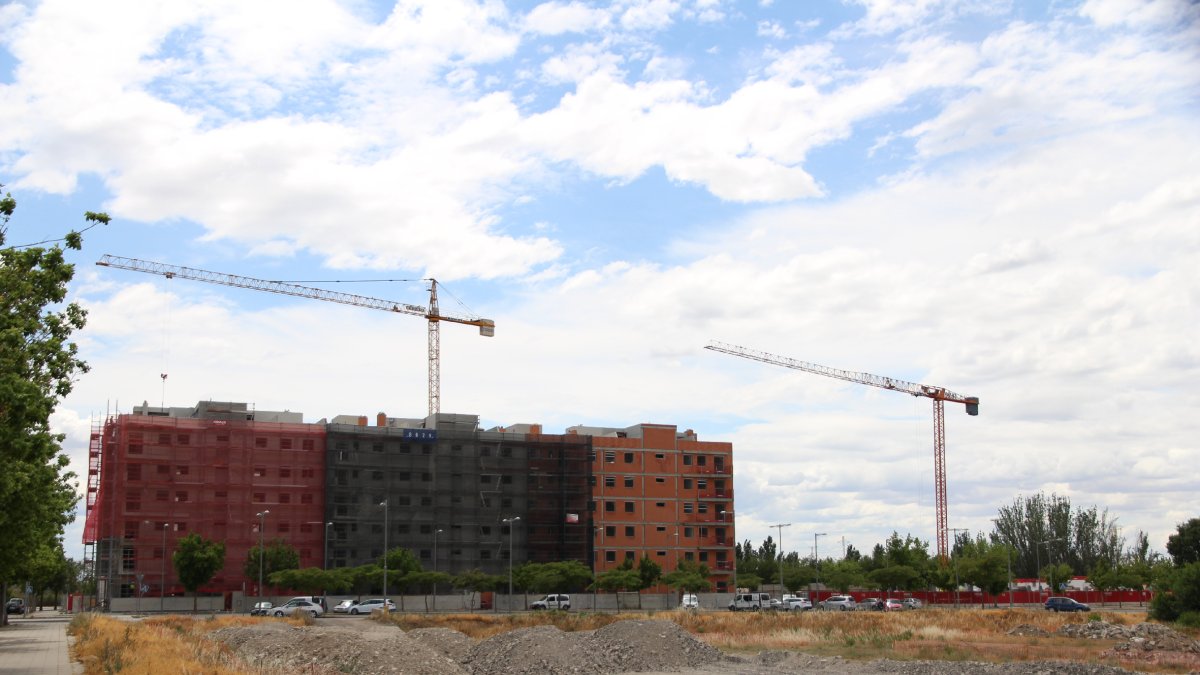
column 1184, row 545
column 38, row 366
column 280, row 556
column 196, row 560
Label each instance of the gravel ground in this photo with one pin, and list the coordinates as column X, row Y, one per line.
column 635, row 646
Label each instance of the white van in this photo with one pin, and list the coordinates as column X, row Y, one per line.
column 750, row 601
column 552, row 601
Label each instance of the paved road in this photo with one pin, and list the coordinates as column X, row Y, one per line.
column 37, row 645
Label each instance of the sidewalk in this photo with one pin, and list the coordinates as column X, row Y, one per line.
column 37, row 646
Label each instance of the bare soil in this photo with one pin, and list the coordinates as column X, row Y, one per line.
column 634, row 646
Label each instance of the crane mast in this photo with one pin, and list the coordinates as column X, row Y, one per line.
column 432, row 314
column 939, row 395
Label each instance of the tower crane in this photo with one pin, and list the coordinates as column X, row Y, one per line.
column 432, row 314
column 939, row 395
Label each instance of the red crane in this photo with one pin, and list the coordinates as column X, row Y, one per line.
column 938, row 394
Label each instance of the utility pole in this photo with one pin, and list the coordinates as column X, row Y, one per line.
column 956, row 530
column 780, row 527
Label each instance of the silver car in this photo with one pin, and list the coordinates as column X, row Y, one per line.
column 844, row 603
column 303, row 606
column 372, row 604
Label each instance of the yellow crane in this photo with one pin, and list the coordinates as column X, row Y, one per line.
column 432, row 314
column 938, row 394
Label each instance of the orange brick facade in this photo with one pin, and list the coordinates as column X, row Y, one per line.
column 662, row 494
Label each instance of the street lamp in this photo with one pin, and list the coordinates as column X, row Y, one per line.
column 511, row 526
column 435, row 567
column 955, row 531
column 325, row 563
column 384, row 504
column 1038, row 557
column 1008, row 561
column 817, row 558
column 732, row 536
column 262, row 526
column 596, row 564
column 162, row 585
column 780, row 527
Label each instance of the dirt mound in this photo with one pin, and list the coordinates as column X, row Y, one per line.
column 529, row 651
column 631, row 646
column 1094, row 630
column 1029, row 631
column 455, row 645
column 1148, row 637
column 275, row 645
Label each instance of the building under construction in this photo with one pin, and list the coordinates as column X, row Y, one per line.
column 341, row 491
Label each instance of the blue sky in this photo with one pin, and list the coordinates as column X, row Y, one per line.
column 1001, row 198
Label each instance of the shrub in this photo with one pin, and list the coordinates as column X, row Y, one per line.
column 1189, row 619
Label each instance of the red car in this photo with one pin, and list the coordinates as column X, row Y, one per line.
column 893, row 605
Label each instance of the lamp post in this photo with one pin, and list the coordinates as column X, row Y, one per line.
column 262, row 552
column 384, row 504
column 1038, row 556
column 436, row 532
column 596, row 566
column 325, row 558
column 817, row 558
column 511, row 526
column 1008, row 562
column 780, row 527
column 162, row 584
column 955, row 531
column 732, row 536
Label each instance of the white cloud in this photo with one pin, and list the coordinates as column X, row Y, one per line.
column 648, row 14
column 555, row 18
column 1138, row 13
column 771, row 29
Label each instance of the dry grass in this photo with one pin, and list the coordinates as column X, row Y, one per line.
column 169, row 644
column 173, row 644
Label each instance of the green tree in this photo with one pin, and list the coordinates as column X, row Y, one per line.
column 1178, row 594
column 196, row 560
column 649, row 571
column 983, row 564
column 1056, row 575
column 796, row 577
column 279, row 556
column 310, row 579
column 47, row 569
column 476, row 581
column 689, row 577
column 618, row 579
column 38, row 367
column 895, row 577
column 1184, row 545
column 844, row 574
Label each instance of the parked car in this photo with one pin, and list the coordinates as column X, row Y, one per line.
column 261, row 608
column 912, row 603
column 372, row 604
column 689, row 601
column 893, row 605
column 750, row 601
column 297, row 605
column 552, row 601
column 315, row 599
column 797, row 604
column 841, row 602
column 1056, row 604
column 344, row 606
column 15, row 606
column 870, row 605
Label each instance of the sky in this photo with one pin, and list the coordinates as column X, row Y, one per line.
column 1001, row 198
